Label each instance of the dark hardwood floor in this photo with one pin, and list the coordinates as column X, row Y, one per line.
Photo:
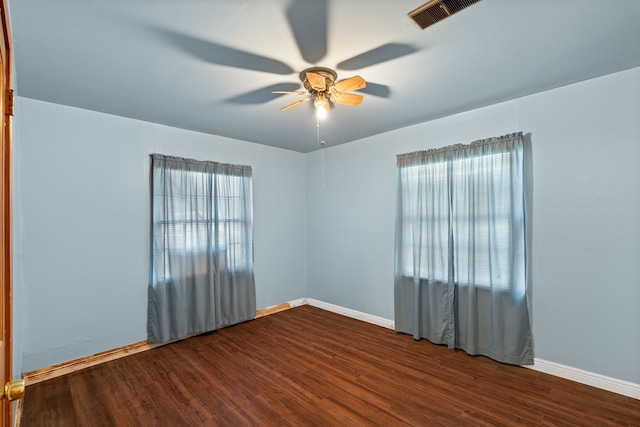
column 310, row 367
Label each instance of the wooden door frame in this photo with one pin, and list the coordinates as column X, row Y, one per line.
column 6, row 273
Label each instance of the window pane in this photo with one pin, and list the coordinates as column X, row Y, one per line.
column 426, row 221
column 470, row 193
column 202, row 212
column 481, row 219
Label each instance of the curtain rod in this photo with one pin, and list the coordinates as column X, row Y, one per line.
column 456, row 147
column 157, row 156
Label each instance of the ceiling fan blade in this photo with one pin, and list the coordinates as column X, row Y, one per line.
column 383, row 53
column 347, row 99
column 350, row 84
column 295, row 104
column 291, row 92
column 308, row 22
column 375, row 89
column 262, row 95
column 215, row 53
column 316, row 81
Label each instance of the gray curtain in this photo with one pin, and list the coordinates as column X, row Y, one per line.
column 201, row 274
column 460, row 248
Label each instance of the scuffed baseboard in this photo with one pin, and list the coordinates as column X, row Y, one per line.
column 567, row 372
column 17, row 415
column 280, row 307
column 34, row 377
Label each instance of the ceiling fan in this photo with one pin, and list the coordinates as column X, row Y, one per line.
column 308, row 21
column 321, row 87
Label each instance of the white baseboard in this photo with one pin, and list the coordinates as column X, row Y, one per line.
column 297, row 302
column 369, row 318
column 603, row 382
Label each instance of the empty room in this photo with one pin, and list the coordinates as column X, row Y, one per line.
column 321, row 212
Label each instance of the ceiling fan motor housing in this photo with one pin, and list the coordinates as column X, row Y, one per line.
column 329, row 75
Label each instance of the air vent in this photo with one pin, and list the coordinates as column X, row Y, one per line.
column 436, row 10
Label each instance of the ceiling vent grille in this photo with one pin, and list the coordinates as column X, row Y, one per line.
column 437, row 10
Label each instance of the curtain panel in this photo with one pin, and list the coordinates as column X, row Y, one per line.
column 460, row 252
column 201, row 273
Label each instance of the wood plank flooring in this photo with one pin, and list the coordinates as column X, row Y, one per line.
column 310, row 367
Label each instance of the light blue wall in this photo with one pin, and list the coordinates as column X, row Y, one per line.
column 586, row 217
column 81, row 221
column 586, row 225
column 81, row 226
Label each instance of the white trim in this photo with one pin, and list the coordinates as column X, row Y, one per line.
column 603, row 382
column 354, row 314
column 297, row 302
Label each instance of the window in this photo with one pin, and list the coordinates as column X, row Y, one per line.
column 205, row 217
column 457, row 214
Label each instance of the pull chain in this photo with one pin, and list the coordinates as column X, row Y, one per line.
column 322, row 144
column 321, row 153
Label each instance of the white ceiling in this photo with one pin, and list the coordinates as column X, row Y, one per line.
column 210, row 65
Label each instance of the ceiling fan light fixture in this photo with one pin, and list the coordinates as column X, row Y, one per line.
column 322, row 106
column 321, row 113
